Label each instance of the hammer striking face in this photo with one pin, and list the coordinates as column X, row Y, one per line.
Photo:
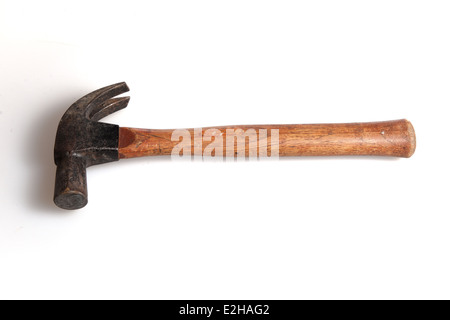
column 82, row 141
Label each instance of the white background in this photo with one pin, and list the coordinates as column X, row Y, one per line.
column 303, row 228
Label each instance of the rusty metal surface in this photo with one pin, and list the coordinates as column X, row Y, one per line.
column 81, row 142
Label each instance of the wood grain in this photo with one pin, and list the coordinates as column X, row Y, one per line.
column 388, row 138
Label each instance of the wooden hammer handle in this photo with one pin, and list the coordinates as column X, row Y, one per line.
column 389, row 138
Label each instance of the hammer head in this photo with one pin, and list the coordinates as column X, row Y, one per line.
column 81, row 142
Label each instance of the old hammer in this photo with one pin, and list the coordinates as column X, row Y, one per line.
column 82, row 141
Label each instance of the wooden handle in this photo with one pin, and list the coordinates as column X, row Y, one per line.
column 389, row 138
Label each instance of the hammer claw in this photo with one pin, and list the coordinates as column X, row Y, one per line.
column 96, row 101
column 108, row 107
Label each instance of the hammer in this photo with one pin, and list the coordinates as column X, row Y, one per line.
column 82, row 141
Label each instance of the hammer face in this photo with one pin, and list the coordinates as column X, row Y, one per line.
column 70, row 184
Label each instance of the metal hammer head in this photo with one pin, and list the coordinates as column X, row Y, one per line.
column 81, row 142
